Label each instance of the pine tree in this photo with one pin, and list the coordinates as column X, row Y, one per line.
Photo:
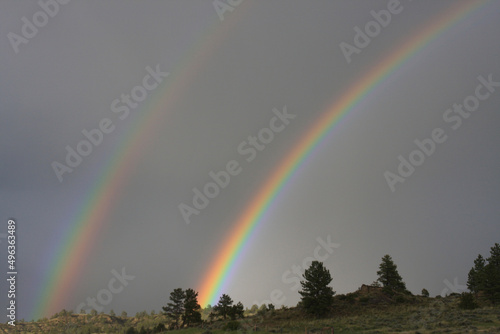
column 175, row 309
column 237, row 311
column 485, row 275
column 492, row 275
column 192, row 314
column 475, row 279
column 317, row 296
column 223, row 308
column 389, row 277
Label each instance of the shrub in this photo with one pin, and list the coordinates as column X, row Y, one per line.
column 159, row 328
column 467, row 301
column 364, row 299
column 232, row 325
column 131, row 330
column 350, row 297
column 400, row 299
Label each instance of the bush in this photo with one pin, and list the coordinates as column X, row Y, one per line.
column 131, row 330
column 400, row 299
column 350, row 297
column 232, row 325
column 159, row 328
column 467, row 301
column 364, row 299
column 341, row 297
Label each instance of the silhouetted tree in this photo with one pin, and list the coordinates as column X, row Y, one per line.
column 492, row 275
column 389, row 277
column 485, row 275
column 237, row 311
column 223, row 308
column 192, row 314
column 175, row 309
column 317, row 296
column 475, row 278
column 425, row 293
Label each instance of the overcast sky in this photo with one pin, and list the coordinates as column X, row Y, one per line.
column 228, row 69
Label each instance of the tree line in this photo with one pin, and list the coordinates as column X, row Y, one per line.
column 483, row 279
column 317, row 296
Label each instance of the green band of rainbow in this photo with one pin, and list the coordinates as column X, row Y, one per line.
column 216, row 277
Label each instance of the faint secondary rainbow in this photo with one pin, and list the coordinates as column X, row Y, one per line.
column 66, row 265
column 219, row 270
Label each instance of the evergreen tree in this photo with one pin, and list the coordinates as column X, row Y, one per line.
column 317, row 296
column 192, row 314
column 492, row 275
column 224, row 307
column 389, row 277
column 237, row 311
column 175, row 309
column 425, row 293
column 475, row 279
column 485, row 275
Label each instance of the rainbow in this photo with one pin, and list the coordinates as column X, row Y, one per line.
column 66, row 262
column 220, row 269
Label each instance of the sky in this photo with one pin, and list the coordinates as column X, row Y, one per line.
column 172, row 92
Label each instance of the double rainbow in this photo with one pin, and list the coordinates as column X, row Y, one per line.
column 70, row 256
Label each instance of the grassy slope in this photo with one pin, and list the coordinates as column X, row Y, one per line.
column 354, row 313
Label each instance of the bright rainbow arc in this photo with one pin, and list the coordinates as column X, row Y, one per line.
column 219, row 272
column 68, row 264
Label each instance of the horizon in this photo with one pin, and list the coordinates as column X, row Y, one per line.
column 224, row 145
